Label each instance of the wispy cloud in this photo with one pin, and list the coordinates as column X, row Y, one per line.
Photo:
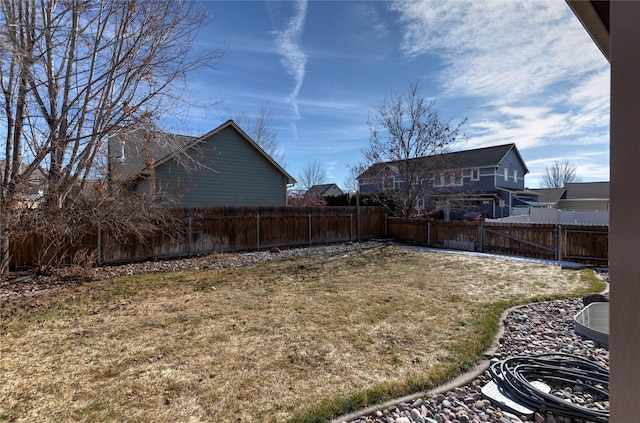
column 505, row 50
column 526, row 126
column 536, row 77
column 293, row 57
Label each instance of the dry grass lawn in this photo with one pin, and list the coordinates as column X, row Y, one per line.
column 293, row 339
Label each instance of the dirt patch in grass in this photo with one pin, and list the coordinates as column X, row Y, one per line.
column 292, row 338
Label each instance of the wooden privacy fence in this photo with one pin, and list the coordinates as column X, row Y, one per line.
column 203, row 231
column 576, row 243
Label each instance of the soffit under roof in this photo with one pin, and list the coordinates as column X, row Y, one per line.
column 594, row 16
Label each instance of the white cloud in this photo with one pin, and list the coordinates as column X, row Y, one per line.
column 293, row 57
column 503, row 50
column 591, row 165
column 525, row 126
column 367, row 22
column 540, row 81
column 591, row 96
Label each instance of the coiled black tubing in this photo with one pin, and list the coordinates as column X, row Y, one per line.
column 513, row 377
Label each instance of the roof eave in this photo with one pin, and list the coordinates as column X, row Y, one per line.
column 595, row 19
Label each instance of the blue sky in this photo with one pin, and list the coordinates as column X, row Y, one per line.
column 522, row 72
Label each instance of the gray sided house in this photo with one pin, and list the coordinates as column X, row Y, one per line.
column 223, row 168
column 488, row 180
column 579, row 196
column 325, row 190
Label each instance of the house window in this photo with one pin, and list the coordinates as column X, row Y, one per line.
column 449, row 178
column 506, row 174
column 455, row 178
column 475, row 174
column 397, row 183
column 515, row 175
column 387, row 182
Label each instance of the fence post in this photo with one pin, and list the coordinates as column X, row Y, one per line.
column 258, row 231
column 428, row 233
column 358, row 215
column 481, row 237
column 351, row 226
column 565, row 243
column 385, row 226
column 559, row 241
column 309, row 228
column 190, row 234
column 99, row 245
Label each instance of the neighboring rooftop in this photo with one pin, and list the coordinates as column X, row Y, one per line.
column 549, row 195
column 574, row 191
column 582, row 190
column 475, row 158
column 324, row 189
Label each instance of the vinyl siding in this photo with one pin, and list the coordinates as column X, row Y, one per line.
column 232, row 172
column 510, row 162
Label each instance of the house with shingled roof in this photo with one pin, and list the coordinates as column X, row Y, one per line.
column 325, row 190
column 578, row 196
column 222, row 168
column 488, row 180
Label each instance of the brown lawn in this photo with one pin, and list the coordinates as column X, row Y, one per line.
column 292, row 338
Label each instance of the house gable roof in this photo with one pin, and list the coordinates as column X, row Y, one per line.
column 574, row 191
column 322, row 189
column 465, row 159
column 129, row 151
column 168, row 146
column 549, row 195
column 587, row 190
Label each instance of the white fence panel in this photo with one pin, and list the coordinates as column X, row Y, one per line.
column 550, row 215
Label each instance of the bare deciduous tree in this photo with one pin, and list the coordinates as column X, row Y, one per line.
column 261, row 130
column 407, row 126
column 351, row 180
column 560, row 174
column 71, row 73
column 312, row 174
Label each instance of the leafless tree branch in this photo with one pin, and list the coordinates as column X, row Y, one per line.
column 74, row 71
column 406, row 126
column 560, row 174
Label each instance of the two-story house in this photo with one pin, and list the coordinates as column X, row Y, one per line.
column 489, row 180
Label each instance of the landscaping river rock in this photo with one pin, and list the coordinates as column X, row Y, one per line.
column 529, row 330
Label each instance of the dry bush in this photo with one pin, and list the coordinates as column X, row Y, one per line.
column 59, row 233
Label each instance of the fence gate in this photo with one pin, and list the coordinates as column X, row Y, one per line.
column 587, row 244
column 539, row 242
